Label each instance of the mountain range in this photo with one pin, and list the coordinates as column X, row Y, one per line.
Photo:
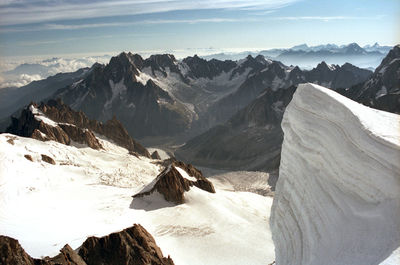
column 252, row 138
column 226, row 113
column 161, row 96
column 306, row 56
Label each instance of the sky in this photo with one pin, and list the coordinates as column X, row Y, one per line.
column 62, row 27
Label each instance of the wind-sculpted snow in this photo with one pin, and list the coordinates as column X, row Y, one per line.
column 337, row 199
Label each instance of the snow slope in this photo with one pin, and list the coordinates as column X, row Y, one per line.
column 337, row 200
column 88, row 192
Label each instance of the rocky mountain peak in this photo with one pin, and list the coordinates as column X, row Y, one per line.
column 323, row 66
column 58, row 122
column 132, row 246
column 200, row 67
column 353, row 48
column 160, row 62
column 175, row 180
column 393, row 54
column 122, row 65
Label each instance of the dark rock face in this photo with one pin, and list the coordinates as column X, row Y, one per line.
column 132, row 246
column 72, row 126
column 155, row 155
column 275, row 75
column 11, row 252
column 48, row 159
column 382, row 89
column 67, row 256
column 207, row 69
column 28, row 126
column 117, row 89
column 250, row 140
column 29, row 157
column 172, row 185
column 112, row 129
column 160, row 62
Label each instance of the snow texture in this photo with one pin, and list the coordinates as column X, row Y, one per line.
column 39, row 116
column 337, row 200
column 89, row 193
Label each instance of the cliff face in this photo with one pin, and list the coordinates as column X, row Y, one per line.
column 337, row 199
column 132, row 246
column 58, row 122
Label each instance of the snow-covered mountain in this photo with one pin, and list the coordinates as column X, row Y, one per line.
column 306, row 56
column 55, row 193
column 161, row 96
column 337, row 200
column 251, row 138
column 382, row 89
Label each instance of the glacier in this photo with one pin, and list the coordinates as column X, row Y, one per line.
column 337, row 200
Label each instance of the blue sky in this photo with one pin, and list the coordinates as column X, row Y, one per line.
column 45, row 27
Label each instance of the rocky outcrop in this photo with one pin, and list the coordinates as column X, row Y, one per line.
column 132, row 246
column 48, row 159
column 112, row 129
column 155, row 155
column 11, row 252
column 172, row 184
column 32, row 123
column 382, row 89
column 58, row 122
column 67, row 256
column 337, row 199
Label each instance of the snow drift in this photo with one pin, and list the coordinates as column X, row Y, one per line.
column 337, row 199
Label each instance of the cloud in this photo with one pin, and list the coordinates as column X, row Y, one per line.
column 18, row 81
column 325, row 18
column 41, row 11
column 59, row 26
column 24, row 72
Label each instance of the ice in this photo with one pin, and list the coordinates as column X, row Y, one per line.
column 337, row 200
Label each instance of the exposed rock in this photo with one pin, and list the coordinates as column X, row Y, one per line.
column 132, row 246
column 112, row 129
column 48, row 159
column 67, row 257
column 29, row 157
column 382, row 89
column 11, row 252
column 70, row 125
column 172, row 185
column 28, row 125
column 250, row 140
column 155, row 155
column 81, row 135
column 120, row 89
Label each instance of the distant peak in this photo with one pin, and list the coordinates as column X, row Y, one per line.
column 249, row 57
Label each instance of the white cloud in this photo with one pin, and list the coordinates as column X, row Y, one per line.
column 325, row 18
column 18, row 81
column 24, row 72
column 44, row 11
